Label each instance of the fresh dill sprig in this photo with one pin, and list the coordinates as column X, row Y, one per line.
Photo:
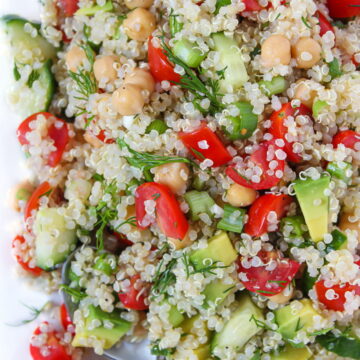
column 201, row 89
column 146, row 161
column 260, row 324
column 77, row 295
column 34, row 314
column 304, row 20
column 209, row 269
column 131, row 221
column 163, row 278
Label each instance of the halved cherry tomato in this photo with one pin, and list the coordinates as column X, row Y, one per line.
column 102, row 137
column 339, row 300
column 355, row 62
column 123, row 239
column 258, row 222
column 324, row 24
column 271, row 277
column 205, row 144
column 58, row 131
column 68, row 7
column 134, row 298
column 33, row 203
column 349, row 138
column 252, row 5
column 262, row 158
column 279, row 130
column 169, row 216
column 35, row 271
column 160, row 67
column 65, row 318
column 343, row 8
column 54, row 349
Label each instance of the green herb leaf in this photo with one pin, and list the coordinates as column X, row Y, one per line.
column 304, row 20
column 335, row 69
column 34, row 314
column 155, row 350
column 77, row 295
column 260, row 324
column 342, row 345
column 16, row 72
column 34, row 75
column 163, row 278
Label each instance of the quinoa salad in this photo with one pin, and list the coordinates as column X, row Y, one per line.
column 195, row 176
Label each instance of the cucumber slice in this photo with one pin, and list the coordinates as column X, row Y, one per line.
column 53, row 241
column 37, row 98
column 22, row 42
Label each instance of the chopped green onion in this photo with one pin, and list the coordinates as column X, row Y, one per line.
column 338, row 241
column 102, row 264
column 175, row 25
column 189, row 53
column 276, row 86
column 297, row 223
column 92, row 10
column 198, row 184
column 157, row 125
column 131, row 187
column 233, row 219
column 335, row 69
column 199, row 202
column 318, row 107
column 244, row 124
column 340, row 169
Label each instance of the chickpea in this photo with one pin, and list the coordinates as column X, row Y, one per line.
column 180, row 244
column 345, row 224
column 91, row 139
column 75, row 58
column 307, row 52
column 304, row 93
column 141, row 78
column 128, row 100
column 283, row 297
column 139, row 24
column 20, row 194
column 132, row 4
column 104, row 68
column 174, row 175
column 276, row 50
column 240, row 196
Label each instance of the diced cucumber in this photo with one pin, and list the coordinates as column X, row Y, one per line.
column 240, row 328
column 53, row 241
column 297, row 224
column 78, row 189
column 232, row 220
column 216, row 292
column 175, row 316
column 39, row 99
column 189, row 53
column 235, row 73
column 21, row 41
column 277, row 85
column 157, row 125
column 319, row 107
column 341, row 170
column 199, row 202
column 92, row 10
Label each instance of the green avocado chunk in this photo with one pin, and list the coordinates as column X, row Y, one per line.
column 291, row 353
column 219, row 249
column 314, row 205
column 216, row 292
column 292, row 319
column 109, row 336
column 240, row 328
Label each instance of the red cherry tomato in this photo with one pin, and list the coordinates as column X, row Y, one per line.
column 260, row 158
column 134, row 298
column 258, row 222
column 33, row 202
column 68, row 7
column 348, row 138
column 354, row 61
column 215, row 149
column 35, row 271
column 58, row 131
column 324, row 24
column 102, row 137
column 271, row 277
column 123, row 239
column 252, row 5
column 343, row 8
column 52, row 349
column 65, row 318
column 169, row 216
column 279, row 130
column 339, row 291
column 160, row 67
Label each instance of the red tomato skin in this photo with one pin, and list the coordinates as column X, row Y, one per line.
column 216, row 151
column 269, row 282
column 347, row 137
column 123, row 239
column 169, row 216
column 65, row 318
column 68, row 7
column 324, row 24
column 60, row 136
column 343, row 8
column 35, row 271
column 160, row 67
column 56, row 350
column 252, row 5
column 258, row 157
column 279, row 130
column 340, row 290
column 131, row 299
column 33, row 202
column 102, row 137
column 257, row 224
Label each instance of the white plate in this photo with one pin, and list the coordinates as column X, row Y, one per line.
column 14, row 341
